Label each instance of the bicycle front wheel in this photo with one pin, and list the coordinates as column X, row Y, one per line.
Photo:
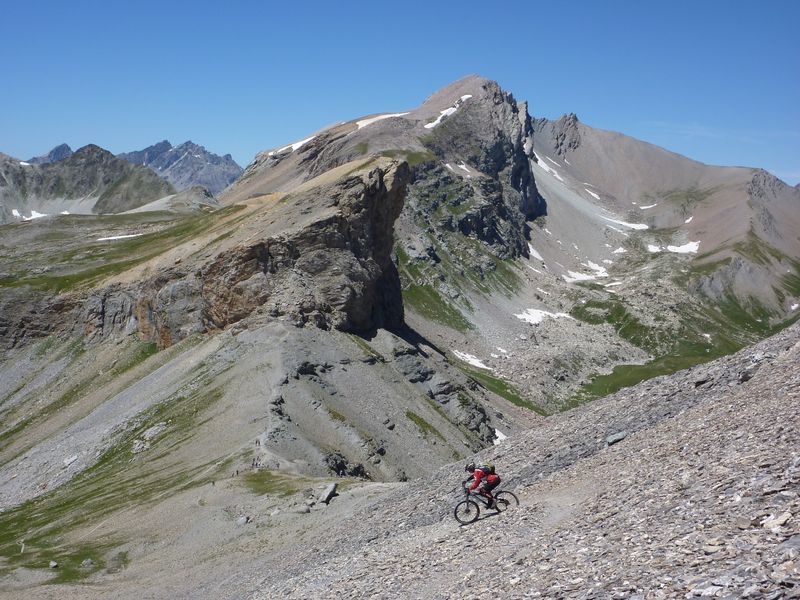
column 467, row 511
column 505, row 499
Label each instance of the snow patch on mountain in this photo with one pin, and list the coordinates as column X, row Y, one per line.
column 552, row 161
column 688, row 248
column 499, row 436
column 448, row 111
column 573, row 276
column 470, row 359
column 536, row 316
column 364, row 122
column 119, row 237
column 532, row 251
column 600, row 270
column 293, row 147
column 548, row 169
column 639, row 226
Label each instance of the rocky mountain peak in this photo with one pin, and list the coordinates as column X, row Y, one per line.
column 490, row 131
column 187, row 164
column 60, row 152
column 92, row 151
column 566, row 134
column 765, row 185
column 471, row 84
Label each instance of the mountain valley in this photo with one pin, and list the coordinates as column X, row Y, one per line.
column 192, row 358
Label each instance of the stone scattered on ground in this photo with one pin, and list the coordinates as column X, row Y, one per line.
column 701, row 500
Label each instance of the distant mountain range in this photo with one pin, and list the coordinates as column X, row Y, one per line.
column 184, row 166
column 187, row 165
column 91, row 180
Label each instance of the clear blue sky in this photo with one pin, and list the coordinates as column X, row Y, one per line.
column 718, row 81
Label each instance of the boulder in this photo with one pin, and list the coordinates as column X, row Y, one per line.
column 616, row 438
column 328, row 494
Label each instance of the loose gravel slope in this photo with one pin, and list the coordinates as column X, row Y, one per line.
column 699, row 499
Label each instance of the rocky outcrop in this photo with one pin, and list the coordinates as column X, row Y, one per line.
column 564, row 133
column 334, row 272
column 27, row 316
column 490, row 131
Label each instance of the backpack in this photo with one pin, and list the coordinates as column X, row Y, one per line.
column 487, row 468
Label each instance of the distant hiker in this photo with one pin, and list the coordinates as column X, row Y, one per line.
column 485, row 477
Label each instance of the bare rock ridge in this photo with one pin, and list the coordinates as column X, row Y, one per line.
column 564, row 132
column 491, row 134
column 186, row 165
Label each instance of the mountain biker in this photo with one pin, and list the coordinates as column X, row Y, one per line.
column 485, row 477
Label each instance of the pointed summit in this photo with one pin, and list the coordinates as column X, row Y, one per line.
column 187, row 165
column 60, row 152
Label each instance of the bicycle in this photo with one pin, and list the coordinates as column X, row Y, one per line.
column 468, row 510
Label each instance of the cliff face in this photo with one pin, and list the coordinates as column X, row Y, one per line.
column 334, row 272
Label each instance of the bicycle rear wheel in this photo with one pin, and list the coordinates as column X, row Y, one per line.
column 505, row 499
column 467, row 511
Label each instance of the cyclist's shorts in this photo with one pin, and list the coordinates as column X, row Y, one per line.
column 490, row 485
